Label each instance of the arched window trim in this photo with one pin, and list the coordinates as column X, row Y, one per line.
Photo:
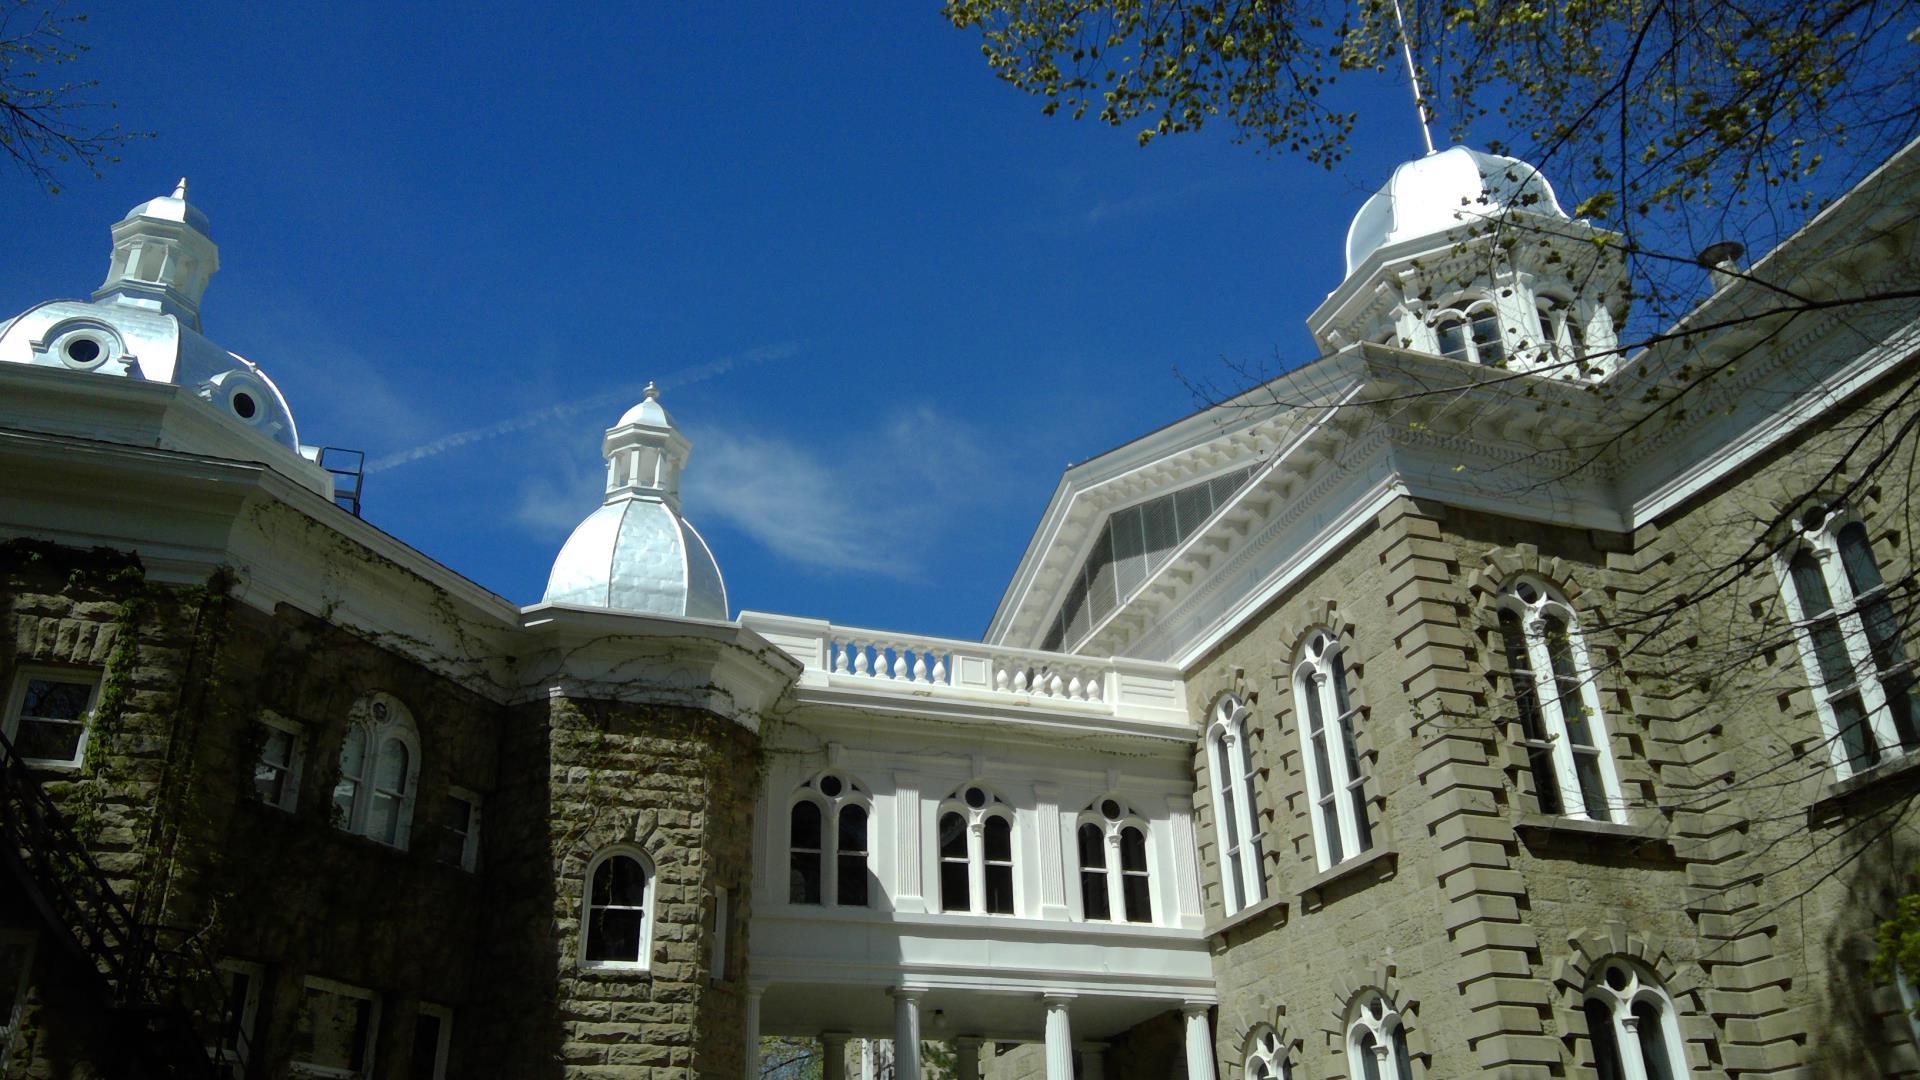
column 383, row 718
column 975, row 819
column 645, row 958
column 852, row 793
column 1821, row 540
column 1317, row 681
column 1641, row 988
column 1235, row 805
column 1374, row 1018
column 1466, row 310
column 1265, row 1052
column 1533, row 615
column 1112, row 830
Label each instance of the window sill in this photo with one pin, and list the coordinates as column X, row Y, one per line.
column 1376, row 865
column 1274, row 907
column 1894, row 776
column 1532, row 825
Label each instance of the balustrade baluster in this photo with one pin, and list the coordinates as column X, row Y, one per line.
column 841, row 663
column 861, row 665
column 920, row 665
column 939, row 669
column 1020, row 680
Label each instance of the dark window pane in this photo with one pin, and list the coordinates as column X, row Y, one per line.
column 614, row 934
column 1810, row 585
column 1191, row 508
column 1856, row 557
column 1653, row 1041
column 1133, row 850
column 1402, row 1060
column 853, row 880
column 1093, row 896
column 43, row 741
column 804, row 828
column 426, row 1047
column 1129, row 551
column 625, row 881
column 1486, row 338
column 853, row 829
column 1855, row 736
column 1162, row 535
column 1229, row 827
column 954, row 887
column 1000, row 889
column 1133, row 890
column 1093, row 848
column 1526, row 701
column 953, row 837
column 1586, row 765
column 50, row 699
column 803, row 877
column 1606, row 1051
column 1369, row 1061
column 999, row 840
column 1330, row 822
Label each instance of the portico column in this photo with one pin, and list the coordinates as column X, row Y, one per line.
column 906, row 1034
column 833, row 1044
column 966, row 1058
column 866, row 1059
column 1059, row 1037
column 753, row 1031
column 1199, row 1043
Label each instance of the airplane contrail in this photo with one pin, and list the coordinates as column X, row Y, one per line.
column 561, row 410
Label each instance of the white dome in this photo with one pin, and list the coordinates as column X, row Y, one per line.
column 636, row 554
column 1438, row 192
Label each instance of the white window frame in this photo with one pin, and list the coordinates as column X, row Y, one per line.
column 1114, row 873
column 295, row 766
column 1619, row 1002
column 234, row 1058
column 1466, row 311
column 10, row 1024
column 17, row 700
column 383, row 717
column 470, row 843
column 1314, row 684
column 1822, row 541
column 975, row 820
column 1236, row 816
column 444, row 1047
column 852, row 793
column 645, row 960
column 1266, row 1053
column 1563, row 334
column 1374, row 1015
column 371, row 1036
column 1533, row 614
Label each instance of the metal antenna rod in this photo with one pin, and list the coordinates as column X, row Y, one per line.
column 1413, row 73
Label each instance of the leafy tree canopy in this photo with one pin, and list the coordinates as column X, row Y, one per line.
column 47, row 120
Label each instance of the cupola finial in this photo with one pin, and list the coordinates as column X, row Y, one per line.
column 653, row 392
column 180, row 190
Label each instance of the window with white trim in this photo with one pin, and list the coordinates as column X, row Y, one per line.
column 1112, row 842
column 976, row 852
column 828, row 830
column 616, row 923
column 242, row 983
column 379, row 771
column 1849, row 639
column 276, row 769
column 16, row 969
column 1630, row 1020
column 1472, row 335
column 432, row 1041
column 1558, row 704
column 1236, row 805
column 1267, row 1059
column 1561, row 336
column 49, row 713
column 1335, row 783
column 460, row 829
column 1377, row 1041
column 333, row 1036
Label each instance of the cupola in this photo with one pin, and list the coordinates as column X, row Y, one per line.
column 163, row 257
column 636, row 553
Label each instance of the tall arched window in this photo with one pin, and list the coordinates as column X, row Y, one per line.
column 1558, row 704
column 1849, row 639
column 1472, row 335
column 827, row 829
column 1236, row 805
column 976, row 852
column 1114, row 876
column 1334, row 780
column 1632, row 1024
column 1377, row 1041
column 379, row 771
column 616, row 925
column 1267, row 1059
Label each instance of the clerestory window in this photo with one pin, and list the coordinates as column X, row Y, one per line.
column 1335, row 784
column 616, row 924
column 1112, row 841
column 1849, row 639
column 1558, row 704
column 976, row 852
column 1377, row 1041
column 1631, row 1023
column 379, row 771
column 1236, row 805
column 827, row 842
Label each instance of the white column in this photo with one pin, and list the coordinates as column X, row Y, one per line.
column 1093, row 1062
column 906, row 1034
column 1059, row 1037
column 833, row 1046
column 866, row 1059
column 1199, row 1043
column 966, row 1057
column 1050, row 834
column 753, row 1031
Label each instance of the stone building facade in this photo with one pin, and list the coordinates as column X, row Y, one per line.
column 1556, row 725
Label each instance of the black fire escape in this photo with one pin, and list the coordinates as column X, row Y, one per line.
column 158, row 994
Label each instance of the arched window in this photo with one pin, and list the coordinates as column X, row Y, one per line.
column 1561, row 337
column 1472, row 335
column 1632, row 1024
column 827, row 829
column 1377, row 1041
column 1266, row 1058
column 379, row 771
column 1452, row 331
column 1849, row 639
column 976, row 852
column 1236, row 805
column 616, row 925
column 1114, row 877
column 1558, row 704
column 1334, row 781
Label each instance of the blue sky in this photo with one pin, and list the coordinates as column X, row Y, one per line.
column 887, row 298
